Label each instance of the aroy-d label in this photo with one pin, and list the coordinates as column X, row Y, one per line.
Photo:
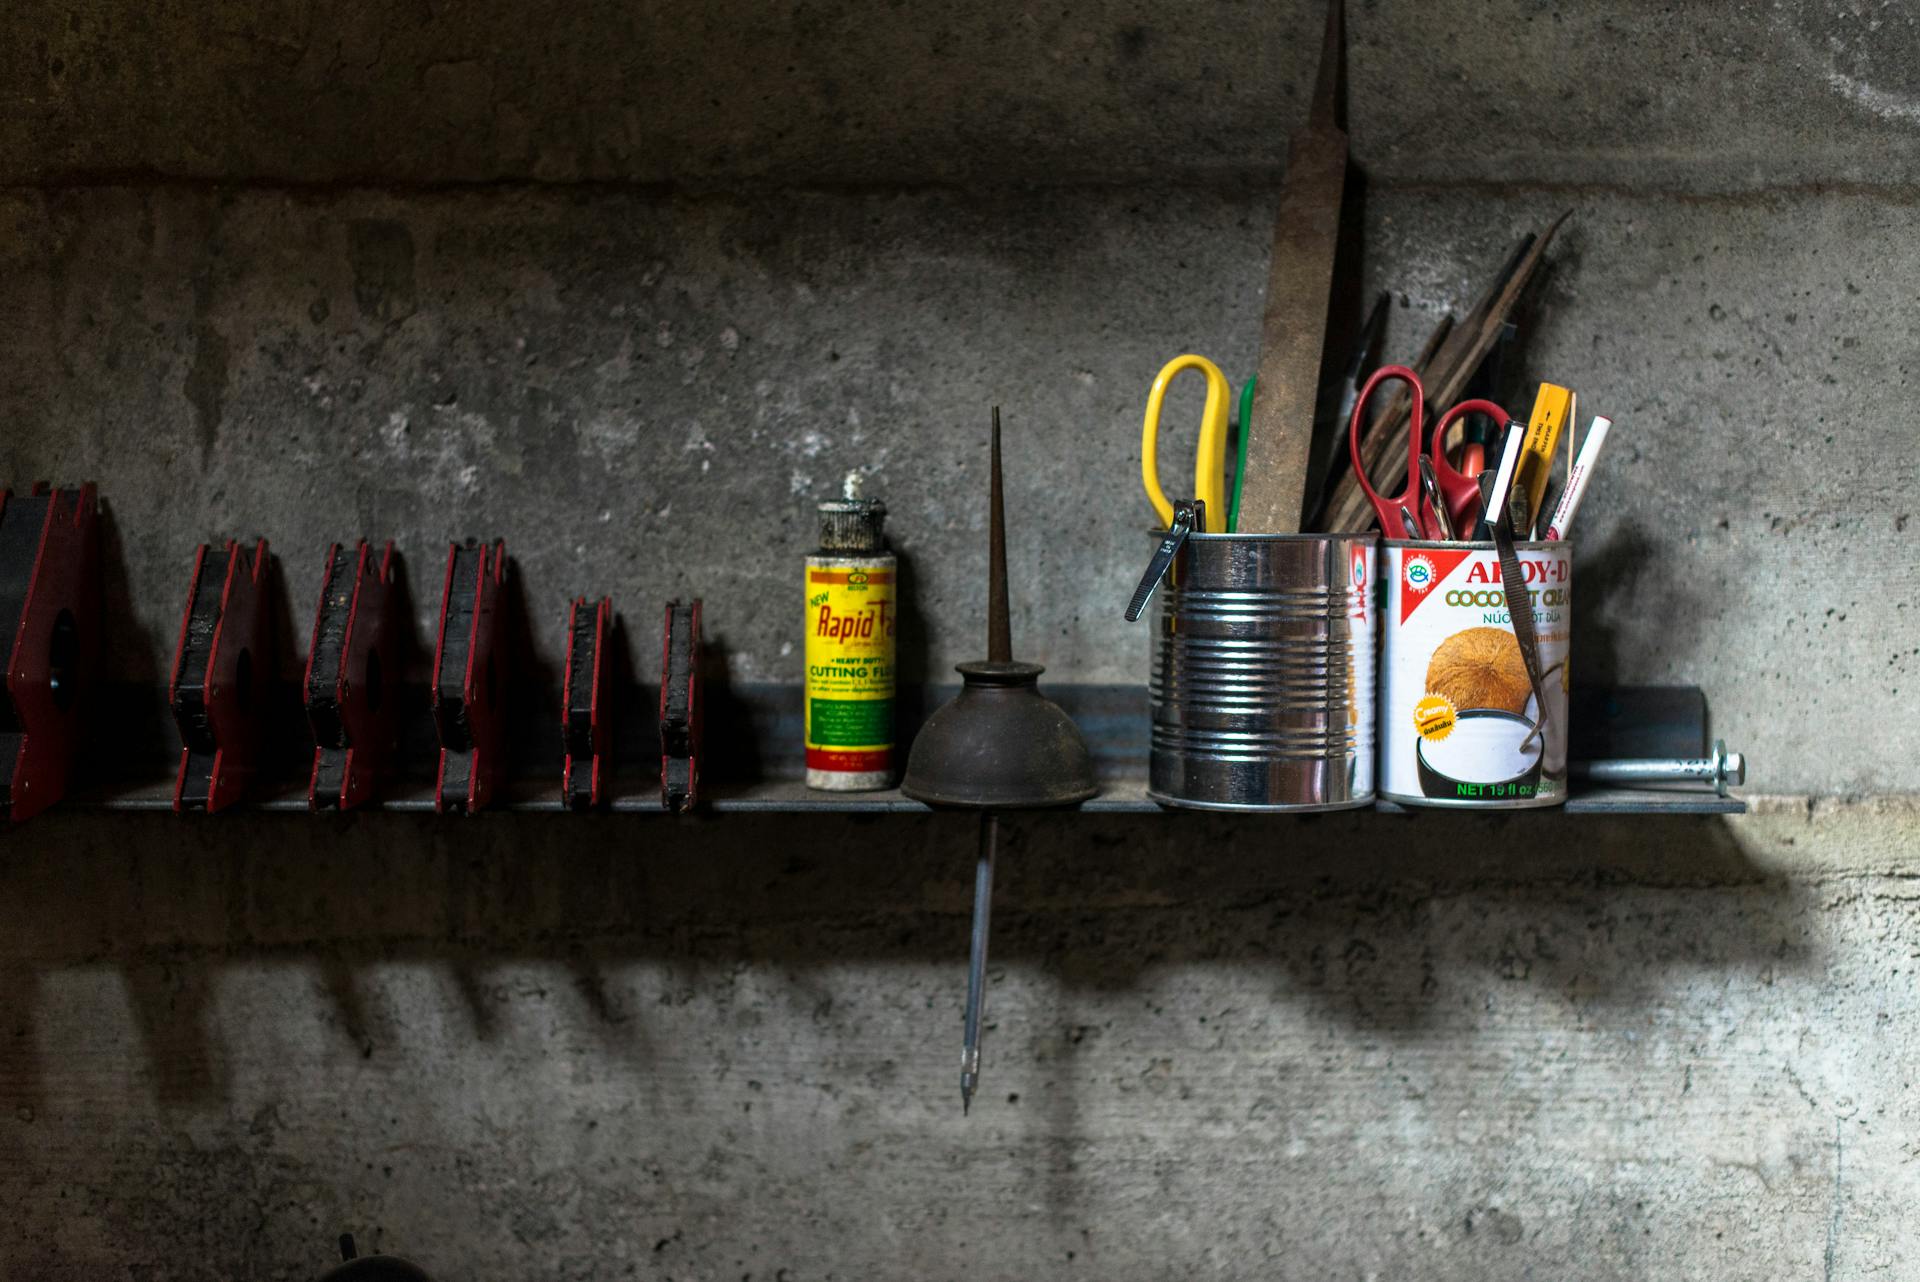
column 850, row 625
column 1459, row 723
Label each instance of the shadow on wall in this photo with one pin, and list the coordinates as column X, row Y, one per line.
column 1354, row 916
column 128, row 651
column 1609, row 574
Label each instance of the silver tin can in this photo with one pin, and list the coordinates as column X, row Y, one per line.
column 1262, row 685
column 1459, row 723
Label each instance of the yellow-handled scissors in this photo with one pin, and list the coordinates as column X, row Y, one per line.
column 1209, row 456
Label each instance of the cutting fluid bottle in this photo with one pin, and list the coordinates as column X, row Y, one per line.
column 850, row 649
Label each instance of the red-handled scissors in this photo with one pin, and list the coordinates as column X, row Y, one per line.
column 1389, row 510
column 1460, row 493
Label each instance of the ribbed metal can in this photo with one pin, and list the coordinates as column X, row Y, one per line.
column 1263, row 668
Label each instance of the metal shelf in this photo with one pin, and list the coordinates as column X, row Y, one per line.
column 754, row 764
column 791, row 796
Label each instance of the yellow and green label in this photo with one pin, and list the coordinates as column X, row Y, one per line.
column 850, row 662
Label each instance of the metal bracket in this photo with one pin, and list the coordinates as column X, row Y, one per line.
column 353, row 678
column 583, row 713
column 50, row 637
column 218, row 688
column 466, row 705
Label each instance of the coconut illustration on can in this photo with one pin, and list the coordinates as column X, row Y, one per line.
column 1494, row 741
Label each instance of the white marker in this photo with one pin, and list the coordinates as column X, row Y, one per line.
column 1503, row 478
column 1578, row 478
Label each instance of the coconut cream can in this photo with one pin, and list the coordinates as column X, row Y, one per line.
column 850, row 621
column 1460, row 724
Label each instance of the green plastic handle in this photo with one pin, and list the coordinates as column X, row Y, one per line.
column 1240, row 458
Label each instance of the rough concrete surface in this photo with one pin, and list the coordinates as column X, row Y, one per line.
column 646, row 397
column 1355, row 1047
column 633, row 286
column 1686, row 96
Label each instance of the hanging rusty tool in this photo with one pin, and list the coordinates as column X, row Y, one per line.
column 680, row 706
column 583, row 711
column 218, row 691
column 1294, row 328
column 50, row 637
column 1446, row 377
column 353, row 675
column 999, row 745
column 466, row 706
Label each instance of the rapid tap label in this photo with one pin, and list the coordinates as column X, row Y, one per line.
column 1459, row 722
column 850, row 623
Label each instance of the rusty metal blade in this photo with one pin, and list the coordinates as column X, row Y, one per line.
column 1294, row 327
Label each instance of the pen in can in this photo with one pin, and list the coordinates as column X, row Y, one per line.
column 1502, row 481
column 1577, row 480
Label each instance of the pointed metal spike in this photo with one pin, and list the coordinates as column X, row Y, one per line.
column 999, row 626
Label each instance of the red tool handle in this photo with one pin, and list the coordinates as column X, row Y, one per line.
column 1387, row 509
column 1460, row 490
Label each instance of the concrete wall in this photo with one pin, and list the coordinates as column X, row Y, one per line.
column 633, row 287
column 1686, row 97
column 646, row 396
column 1363, row 1047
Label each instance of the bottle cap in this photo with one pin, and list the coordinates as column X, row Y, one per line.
column 852, row 525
